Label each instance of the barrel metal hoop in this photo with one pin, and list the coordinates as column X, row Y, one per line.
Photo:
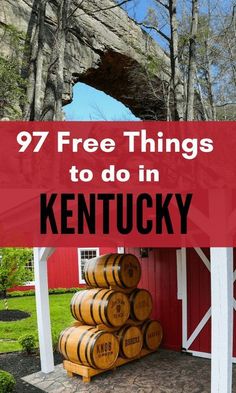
column 99, row 334
column 113, row 270
column 86, row 348
column 105, row 309
column 70, row 330
column 73, row 303
column 86, row 276
column 123, row 330
column 105, row 269
column 119, row 271
column 100, row 307
column 79, row 343
column 132, row 298
column 61, row 337
column 91, row 306
column 80, row 303
column 93, row 272
column 145, row 333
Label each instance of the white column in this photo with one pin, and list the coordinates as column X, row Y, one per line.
column 43, row 310
column 222, row 319
column 184, row 299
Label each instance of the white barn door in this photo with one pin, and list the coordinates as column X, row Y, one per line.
column 194, row 290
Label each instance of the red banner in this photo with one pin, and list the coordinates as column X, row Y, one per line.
column 153, row 184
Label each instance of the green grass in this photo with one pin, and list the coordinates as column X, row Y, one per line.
column 60, row 319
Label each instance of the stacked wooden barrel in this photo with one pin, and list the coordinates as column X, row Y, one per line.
column 112, row 314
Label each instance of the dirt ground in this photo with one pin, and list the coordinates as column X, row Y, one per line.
column 21, row 365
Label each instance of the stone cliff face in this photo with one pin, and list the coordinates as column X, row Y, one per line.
column 104, row 48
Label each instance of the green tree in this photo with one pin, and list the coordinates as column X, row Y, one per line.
column 13, row 268
column 12, row 87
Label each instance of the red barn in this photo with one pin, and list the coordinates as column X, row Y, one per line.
column 181, row 290
column 66, row 265
column 180, row 287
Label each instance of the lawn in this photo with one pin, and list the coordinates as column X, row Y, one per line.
column 11, row 331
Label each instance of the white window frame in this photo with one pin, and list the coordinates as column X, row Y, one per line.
column 81, row 280
column 29, row 283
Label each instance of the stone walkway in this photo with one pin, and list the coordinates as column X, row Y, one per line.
column 162, row 372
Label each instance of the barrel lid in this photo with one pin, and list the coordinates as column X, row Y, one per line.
column 118, row 308
column 130, row 270
column 153, row 334
column 105, row 350
column 142, row 305
column 132, row 341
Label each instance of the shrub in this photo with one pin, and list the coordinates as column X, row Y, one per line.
column 27, row 342
column 31, row 292
column 7, row 382
column 57, row 291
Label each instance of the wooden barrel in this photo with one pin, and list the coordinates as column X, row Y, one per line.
column 131, row 341
column 140, row 304
column 88, row 346
column 100, row 306
column 152, row 335
column 113, row 270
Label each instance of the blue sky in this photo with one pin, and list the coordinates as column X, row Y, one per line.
column 91, row 104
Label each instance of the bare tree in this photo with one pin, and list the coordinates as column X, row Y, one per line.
column 176, row 86
column 174, row 59
column 52, row 105
column 202, row 50
column 44, row 101
column 192, row 62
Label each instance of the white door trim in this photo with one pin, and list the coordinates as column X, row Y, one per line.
column 234, row 279
column 179, row 274
column 182, row 295
column 204, row 355
column 199, row 328
column 203, row 257
column 184, row 299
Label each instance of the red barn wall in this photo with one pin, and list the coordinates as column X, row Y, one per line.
column 159, row 276
column 63, row 267
column 22, row 288
column 198, row 299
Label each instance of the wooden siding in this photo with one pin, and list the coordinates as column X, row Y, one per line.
column 63, row 267
column 159, row 276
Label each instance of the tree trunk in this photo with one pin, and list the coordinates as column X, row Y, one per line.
column 192, row 62
column 52, row 108
column 5, row 299
column 174, row 59
column 209, row 83
column 204, row 110
column 33, row 104
column 39, row 63
column 27, row 111
column 231, row 58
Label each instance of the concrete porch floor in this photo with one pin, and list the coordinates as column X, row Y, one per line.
column 162, row 372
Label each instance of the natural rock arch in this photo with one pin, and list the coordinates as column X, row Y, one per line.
column 104, row 49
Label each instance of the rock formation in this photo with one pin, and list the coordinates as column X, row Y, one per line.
column 104, row 49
